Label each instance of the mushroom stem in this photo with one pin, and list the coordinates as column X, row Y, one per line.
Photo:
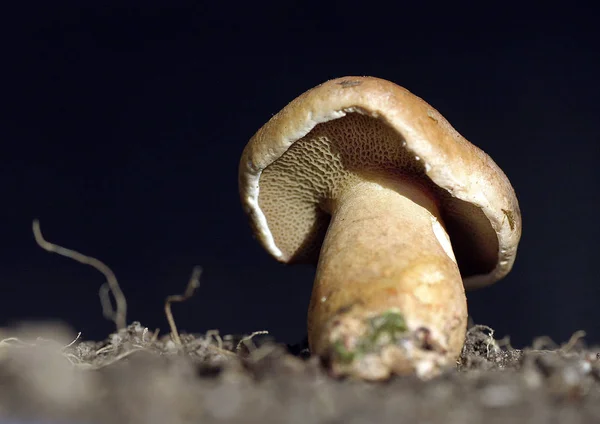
column 388, row 296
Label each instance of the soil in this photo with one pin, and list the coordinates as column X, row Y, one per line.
column 49, row 375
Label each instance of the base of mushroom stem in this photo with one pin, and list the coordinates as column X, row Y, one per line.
column 376, row 346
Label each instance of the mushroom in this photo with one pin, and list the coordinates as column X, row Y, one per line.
column 398, row 210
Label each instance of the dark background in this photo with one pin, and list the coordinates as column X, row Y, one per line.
column 121, row 129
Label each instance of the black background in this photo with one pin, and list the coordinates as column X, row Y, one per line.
column 121, row 129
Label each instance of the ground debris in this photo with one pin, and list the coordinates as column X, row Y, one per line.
column 134, row 376
column 482, row 351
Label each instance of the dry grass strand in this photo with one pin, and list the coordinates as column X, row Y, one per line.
column 247, row 341
column 119, row 314
column 191, row 287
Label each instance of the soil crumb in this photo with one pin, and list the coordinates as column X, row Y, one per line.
column 49, row 375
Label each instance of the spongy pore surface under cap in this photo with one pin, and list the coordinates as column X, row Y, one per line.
column 298, row 189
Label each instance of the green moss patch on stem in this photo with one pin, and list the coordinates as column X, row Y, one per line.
column 381, row 330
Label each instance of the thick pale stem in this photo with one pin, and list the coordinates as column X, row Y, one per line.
column 388, row 296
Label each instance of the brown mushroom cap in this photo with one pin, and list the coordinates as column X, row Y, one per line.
column 290, row 169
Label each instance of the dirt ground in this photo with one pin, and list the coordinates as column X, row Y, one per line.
column 49, row 375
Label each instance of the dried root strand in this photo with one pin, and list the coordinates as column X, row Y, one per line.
column 191, row 287
column 119, row 314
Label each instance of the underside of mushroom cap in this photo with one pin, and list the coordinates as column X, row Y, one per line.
column 296, row 162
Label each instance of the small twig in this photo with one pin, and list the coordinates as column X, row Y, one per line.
column 104, row 295
column 247, row 341
column 575, row 337
column 191, row 287
column 15, row 342
column 73, row 342
column 107, row 348
column 119, row 315
column 110, row 361
column 214, row 334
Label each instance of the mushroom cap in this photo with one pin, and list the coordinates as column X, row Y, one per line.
column 477, row 202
